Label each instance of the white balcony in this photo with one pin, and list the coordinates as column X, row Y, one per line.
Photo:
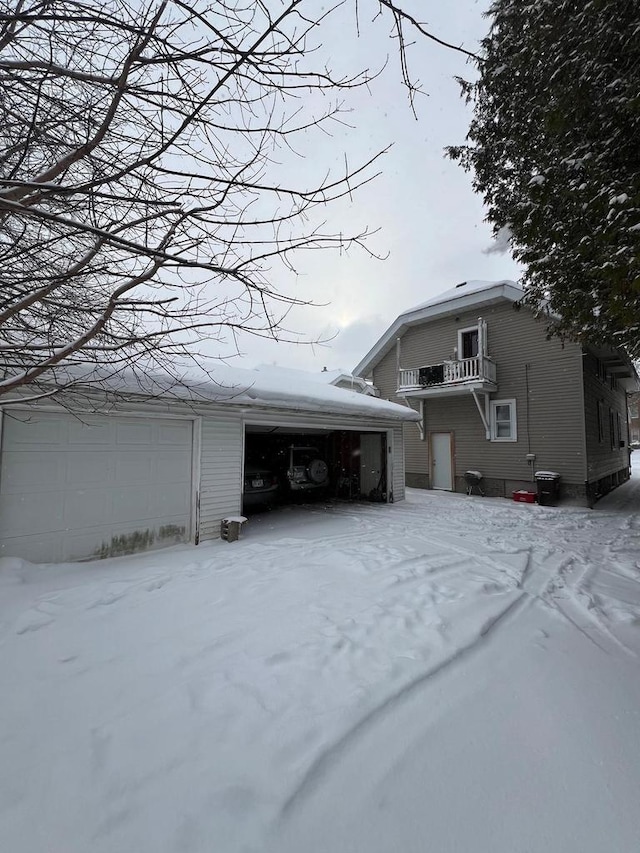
column 448, row 377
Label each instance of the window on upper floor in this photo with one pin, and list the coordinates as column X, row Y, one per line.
column 468, row 342
column 503, row 420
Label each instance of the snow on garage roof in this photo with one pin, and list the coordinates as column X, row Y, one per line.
column 209, row 381
column 328, row 377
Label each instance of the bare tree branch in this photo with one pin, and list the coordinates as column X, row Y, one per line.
column 144, row 210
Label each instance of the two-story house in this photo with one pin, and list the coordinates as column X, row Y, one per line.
column 497, row 396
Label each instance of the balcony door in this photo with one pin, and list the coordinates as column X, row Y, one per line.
column 442, row 461
column 468, row 342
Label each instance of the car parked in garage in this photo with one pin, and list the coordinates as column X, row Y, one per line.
column 261, row 485
column 307, row 471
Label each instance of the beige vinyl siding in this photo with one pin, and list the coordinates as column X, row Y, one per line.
column 222, row 445
column 415, row 449
column 554, row 428
column 601, row 459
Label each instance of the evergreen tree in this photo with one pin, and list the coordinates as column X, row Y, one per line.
column 554, row 146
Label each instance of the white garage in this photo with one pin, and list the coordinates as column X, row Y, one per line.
column 147, row 464
column 75, row 486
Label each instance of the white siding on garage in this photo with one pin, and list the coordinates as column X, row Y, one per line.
column 398, row 462
column 74, row 487
column 220, row 471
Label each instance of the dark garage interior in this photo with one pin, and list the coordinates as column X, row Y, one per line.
column 284, row 466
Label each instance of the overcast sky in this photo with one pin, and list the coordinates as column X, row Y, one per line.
column 431, row 223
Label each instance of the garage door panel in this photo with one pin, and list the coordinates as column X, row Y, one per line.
column 170, row 503
column 133, row 469
column 107, row 542
column 41, row 548
column 83, row 432
column 172, row 467
column 22, row 472
column 71, row 489
column 84, row 507
column 84, row 468
column 31, row 513
column 131, row 502
column 134, row 433
column 176, row 432
column 48, row 432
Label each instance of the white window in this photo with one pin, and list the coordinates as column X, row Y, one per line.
column 503, row 420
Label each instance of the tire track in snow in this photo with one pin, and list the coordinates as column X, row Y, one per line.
column 535, row 586
column 335, row 752
column 582, row 612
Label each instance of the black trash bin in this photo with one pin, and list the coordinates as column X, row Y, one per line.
column 548, row 483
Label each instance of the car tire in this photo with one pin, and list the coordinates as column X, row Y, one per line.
column 318, row 471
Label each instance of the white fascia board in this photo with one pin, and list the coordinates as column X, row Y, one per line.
column 502, row 290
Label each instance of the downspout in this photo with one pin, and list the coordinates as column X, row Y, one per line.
column 530, row 455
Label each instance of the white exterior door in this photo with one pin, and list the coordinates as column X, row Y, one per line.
column 441, row 461
column 74, row 487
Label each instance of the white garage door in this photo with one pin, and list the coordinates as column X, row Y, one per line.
column 93, row 485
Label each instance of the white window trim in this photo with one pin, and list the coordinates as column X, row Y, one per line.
column 514, row 420
column 461, row 332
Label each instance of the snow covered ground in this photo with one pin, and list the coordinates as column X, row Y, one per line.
column 444, row 674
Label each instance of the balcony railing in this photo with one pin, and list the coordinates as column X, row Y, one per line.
column 479, row 368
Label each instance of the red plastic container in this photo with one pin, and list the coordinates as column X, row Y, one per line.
column 524, row 496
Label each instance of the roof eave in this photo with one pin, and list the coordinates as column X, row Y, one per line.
column 500, row 291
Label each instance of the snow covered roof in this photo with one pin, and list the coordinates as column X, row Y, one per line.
column 210, row 381
column 326, row 377
column 465, row 295
column 460, row 291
